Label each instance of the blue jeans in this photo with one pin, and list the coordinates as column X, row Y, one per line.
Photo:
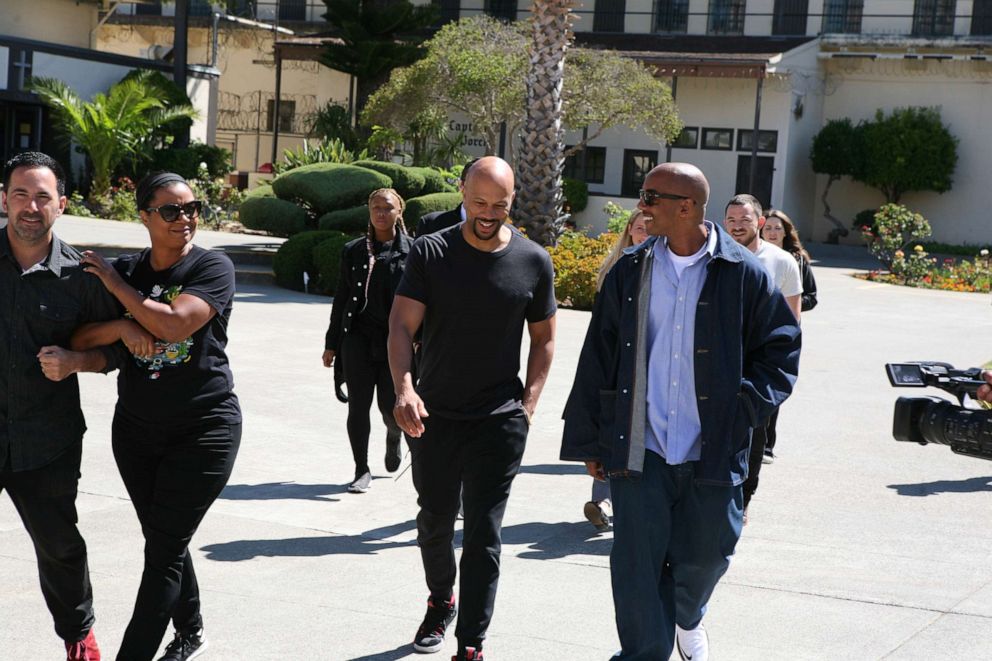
column 672, row 541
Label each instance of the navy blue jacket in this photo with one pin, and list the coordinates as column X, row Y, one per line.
column 746, row 357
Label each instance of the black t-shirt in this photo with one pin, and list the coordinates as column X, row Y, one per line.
column 188, row 380
column 477, row 303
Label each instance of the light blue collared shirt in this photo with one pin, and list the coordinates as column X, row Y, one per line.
column 673, row 427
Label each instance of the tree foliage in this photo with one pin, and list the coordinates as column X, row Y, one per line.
column 478, row 67
column 909, row 150
column 113, row 126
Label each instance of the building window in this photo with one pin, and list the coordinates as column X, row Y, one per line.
column 241, row 8
column 594, row 170
column 790, row 16
column 767, row 140
column 19, row 64
column 636, row 165
column 722, row 139
column 672, row 16
column 842, row 16
column 727, row 16
column 200, row 8
column 933, row 18
column 148, row 8
column 449, row 10
column 608, row 15
column 287, row 115
column 504, row 10
column 292, row 10
column 981, row 17
column 688, row 138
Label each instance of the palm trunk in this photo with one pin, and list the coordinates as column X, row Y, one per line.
column 541, row 158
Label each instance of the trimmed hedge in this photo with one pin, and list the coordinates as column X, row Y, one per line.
column 260, row 191
column 407, row 181
column 326, row 257
column 295, row 257
column 326, row 187
column 425, row 204
column 270, row 214
column 351, row 221
column 434, row 181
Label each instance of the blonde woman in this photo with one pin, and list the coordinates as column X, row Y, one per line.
column 599, row 509
column 371, row 269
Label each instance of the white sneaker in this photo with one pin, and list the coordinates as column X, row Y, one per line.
column 692, row 644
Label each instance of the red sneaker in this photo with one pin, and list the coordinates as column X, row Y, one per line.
column 83, row 650
column 468, row 654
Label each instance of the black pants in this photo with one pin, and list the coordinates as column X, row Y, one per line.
column 759, row 440
column 771, row 435
column 479, row 459
column 173, row 475
column 45, row 498
column 366, row 372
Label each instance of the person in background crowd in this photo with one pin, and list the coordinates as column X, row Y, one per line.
column 371, row 269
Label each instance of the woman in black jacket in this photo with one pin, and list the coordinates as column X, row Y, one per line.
column 780, row 230
column 371, row 268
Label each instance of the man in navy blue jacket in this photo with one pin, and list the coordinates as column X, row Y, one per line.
column 689, row 347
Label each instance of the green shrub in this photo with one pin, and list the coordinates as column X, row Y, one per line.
column 325, row 187
column 434, row 182
column 260, row 191
column 425, row 204
column 273, row 215
column 616, row 217
column 576, row 260
column 407, row 182
column 186, row 161
column 76, row 206
column 895, row 228
column 864, row 218
column 576, row 194
column 351, row 221
column 327, row 264
column 295, row 257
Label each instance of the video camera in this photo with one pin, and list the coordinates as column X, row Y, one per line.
column 934, row 420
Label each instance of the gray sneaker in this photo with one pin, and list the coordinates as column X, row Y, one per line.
column 361, row 484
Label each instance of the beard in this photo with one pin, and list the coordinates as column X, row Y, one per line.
column 480, row 233
column 30, row 233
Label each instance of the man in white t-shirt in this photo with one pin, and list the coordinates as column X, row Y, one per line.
column 743, row 220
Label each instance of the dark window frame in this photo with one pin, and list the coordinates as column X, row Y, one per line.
column 981, row 18
column 745, row 134
column 595, row 161
column 790, row 17
column 726, row 17
column 292, row 10
column 148, row 8
column 707, row 131
column 671, row 16
column 19, row 73
column 609, row 15
column 842, row 16
column 287, row 115
column 628, row 187
column 504, row 10
column 933, row 18
column 694, row 130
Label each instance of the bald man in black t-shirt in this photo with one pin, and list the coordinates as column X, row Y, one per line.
column 473, row 287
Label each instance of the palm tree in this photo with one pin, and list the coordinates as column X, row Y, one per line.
column 541, row 158
column 114, row 125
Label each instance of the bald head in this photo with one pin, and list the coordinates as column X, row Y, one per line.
column 491, row 168
column 684, row 179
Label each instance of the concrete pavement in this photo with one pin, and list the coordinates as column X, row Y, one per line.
column 858, row 547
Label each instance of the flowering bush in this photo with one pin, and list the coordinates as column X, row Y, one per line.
column 576, row 260
column 919, row 270
column 895, row 228
column 912, row 269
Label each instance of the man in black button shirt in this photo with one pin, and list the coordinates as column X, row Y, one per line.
column 473, row 287
column 44, row 296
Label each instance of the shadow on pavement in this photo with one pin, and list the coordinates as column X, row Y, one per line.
column 400, row 652
column 547, row 541
column 554, row 469
column 971, row 485
column 255, row 293
column 283, row 491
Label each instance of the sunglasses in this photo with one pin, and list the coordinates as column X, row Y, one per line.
column 650, row 197
column 170, row 212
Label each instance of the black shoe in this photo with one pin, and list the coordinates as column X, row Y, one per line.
column 430, row 635
column 394, row 455
column 468, row 654
column 186, row 645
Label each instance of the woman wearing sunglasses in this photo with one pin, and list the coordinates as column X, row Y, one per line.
column 177, row 426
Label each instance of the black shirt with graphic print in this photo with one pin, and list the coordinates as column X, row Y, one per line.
column 477, row 303
column 191, row 379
